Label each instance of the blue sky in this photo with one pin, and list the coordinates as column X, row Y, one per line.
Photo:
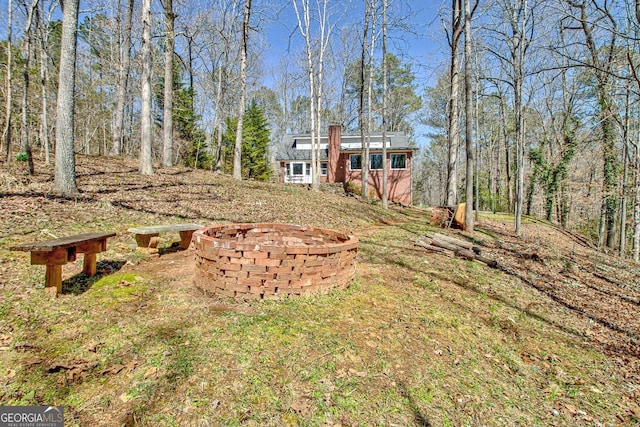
column 422, row 44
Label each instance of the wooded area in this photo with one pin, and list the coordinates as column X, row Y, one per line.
column 535, row 112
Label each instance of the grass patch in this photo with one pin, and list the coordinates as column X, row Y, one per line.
column 418, row 339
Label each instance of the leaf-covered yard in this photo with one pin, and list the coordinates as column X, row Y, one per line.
column 418, row 339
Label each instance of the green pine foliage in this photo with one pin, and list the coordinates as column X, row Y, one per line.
column 255, row 145
column 185, row 125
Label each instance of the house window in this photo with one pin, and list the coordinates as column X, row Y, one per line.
column 356, row 161
column 324, row 167
column 297, row 168
column 375, row 161
column 308, row 171
column 399, row 161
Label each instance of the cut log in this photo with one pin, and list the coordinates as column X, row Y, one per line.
column 469, row 252
column 490, row 262
column 451, row 240
column 428, row 246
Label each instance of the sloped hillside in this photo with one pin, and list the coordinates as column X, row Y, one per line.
column 550, row 337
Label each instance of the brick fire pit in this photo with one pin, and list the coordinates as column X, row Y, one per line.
column 272, row 261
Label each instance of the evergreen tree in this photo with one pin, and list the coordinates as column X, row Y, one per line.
column 185, row 121
column 255, row 143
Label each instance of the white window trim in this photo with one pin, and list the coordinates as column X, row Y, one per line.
column 324, row 171
column 291, row 168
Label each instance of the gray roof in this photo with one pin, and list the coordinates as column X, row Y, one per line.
column 287, row 148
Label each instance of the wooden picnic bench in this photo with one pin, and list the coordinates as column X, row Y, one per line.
column 147, row 237
column 55, row 253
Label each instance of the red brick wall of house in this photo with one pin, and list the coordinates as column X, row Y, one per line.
column 398, row 184
column 338, row 170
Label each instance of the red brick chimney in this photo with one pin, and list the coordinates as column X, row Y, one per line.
column 335, row 133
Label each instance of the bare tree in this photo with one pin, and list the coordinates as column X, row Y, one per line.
column 453, row 134
column 636, row 207
column 28, row 33
column 385, row 202
column 364, row 141
column 365, row 125
column 625, row 177
column 7, row 125
column 315, row 74
column 519, row 46
column 146, row 162
column 468, row 111
column 65, row 175
column 237, row 158
column 601, row 61
column 516, row 30
column 167, row 149
column 44, row 81
column 124, row 66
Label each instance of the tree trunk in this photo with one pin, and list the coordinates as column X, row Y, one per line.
column 625, row 176
column 123, row 80
column 507, row 156
column 65, row 175
column 468, row 215
column 305, row 31
column 362, row 105
column 367, row 163
column 623, row 200
column 636, row 207
column 476, row 165
column 167, row 148
column 385, row 203
column 7, row 126
column 607, row 124
column 146, row 161
column 26, row 145
column 453, row 142
column 324, row 40
column 218, row 120
column 237, row 158
column 519, row 23
column 44, row 82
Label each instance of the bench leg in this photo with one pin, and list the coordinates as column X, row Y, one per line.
column 89, row 267
column 148, row 243
column 185, row 239
column 53, row 278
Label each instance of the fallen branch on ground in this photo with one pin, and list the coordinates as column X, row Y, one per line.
column 445, row 244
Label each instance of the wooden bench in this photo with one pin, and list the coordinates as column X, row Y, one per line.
column 147, row 237
column 55, row 253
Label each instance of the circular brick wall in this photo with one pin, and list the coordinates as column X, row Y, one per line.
column 272, row 261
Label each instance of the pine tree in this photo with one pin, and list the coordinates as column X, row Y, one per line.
column 255, row 145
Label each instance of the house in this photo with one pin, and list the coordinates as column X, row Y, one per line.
column 341, row 161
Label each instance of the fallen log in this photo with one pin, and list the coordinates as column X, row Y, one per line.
column 453, row 241
column 437, row 244
column 428, row 246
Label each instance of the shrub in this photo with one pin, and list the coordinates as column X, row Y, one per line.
column 351, row 187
